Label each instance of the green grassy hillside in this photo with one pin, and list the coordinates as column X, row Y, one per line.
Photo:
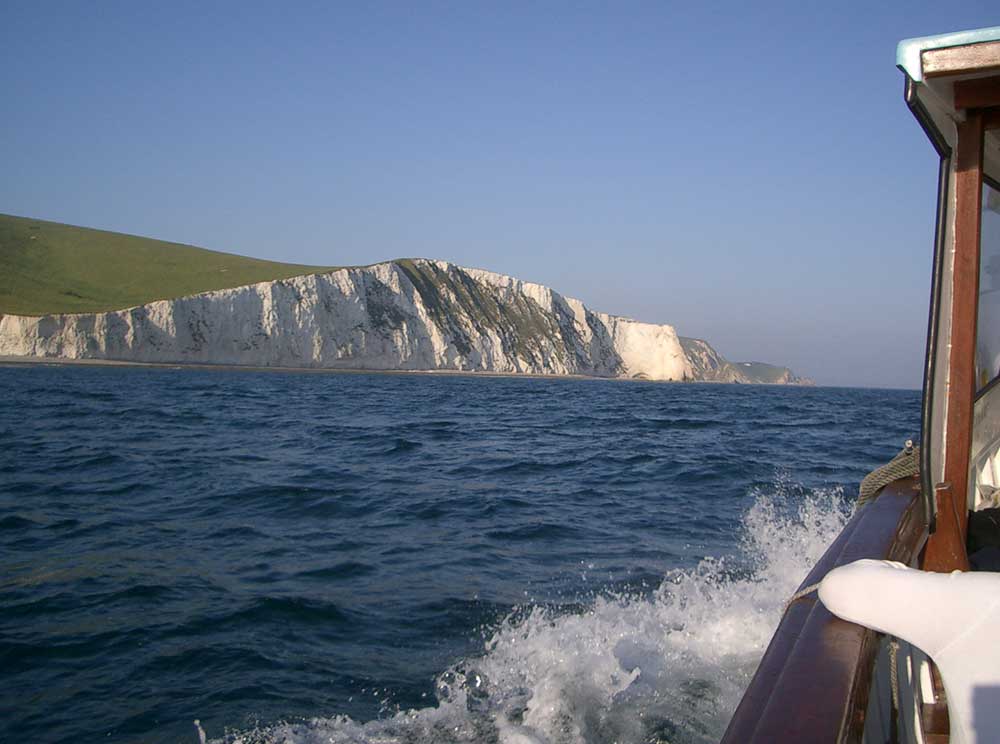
column 47, row 267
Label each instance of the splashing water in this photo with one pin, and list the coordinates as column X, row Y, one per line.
column 666, row 667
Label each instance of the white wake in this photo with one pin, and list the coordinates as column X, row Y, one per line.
column 667, row 667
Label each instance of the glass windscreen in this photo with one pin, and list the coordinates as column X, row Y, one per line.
column 988, row 328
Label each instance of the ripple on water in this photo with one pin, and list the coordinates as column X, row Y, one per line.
column 339, row 571
column 533, row 532
column 503, row 559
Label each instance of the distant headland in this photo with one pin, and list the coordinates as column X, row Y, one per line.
column 77, row 293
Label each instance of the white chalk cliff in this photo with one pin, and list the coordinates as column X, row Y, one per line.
column 399, row 315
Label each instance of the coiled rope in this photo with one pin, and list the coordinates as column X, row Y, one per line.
column 803, row 592
column 893, row 672
column 903, row 465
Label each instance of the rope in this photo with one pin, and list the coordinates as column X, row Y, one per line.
column 893, row 677
column 803, row 592
column 906, row 463
column 893, row 646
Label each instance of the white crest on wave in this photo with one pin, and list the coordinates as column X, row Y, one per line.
column 665, row 667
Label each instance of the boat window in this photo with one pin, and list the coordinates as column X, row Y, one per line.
column 988, row 328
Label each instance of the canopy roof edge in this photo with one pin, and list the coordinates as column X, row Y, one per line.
column 908, row 51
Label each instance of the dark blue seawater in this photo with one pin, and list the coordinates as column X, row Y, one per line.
column 406, row 558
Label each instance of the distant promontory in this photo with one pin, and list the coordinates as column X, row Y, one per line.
column 184, row 305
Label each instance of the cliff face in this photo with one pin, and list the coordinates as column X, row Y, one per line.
column 709, row 366
column 401, row 315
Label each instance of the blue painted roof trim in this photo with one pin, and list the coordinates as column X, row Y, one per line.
column 908, row 51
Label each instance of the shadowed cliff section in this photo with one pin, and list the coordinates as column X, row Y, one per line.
column 710, row 366
column 522, row 325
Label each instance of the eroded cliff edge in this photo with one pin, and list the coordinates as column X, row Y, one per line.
column 399, row 315
column 708, row 365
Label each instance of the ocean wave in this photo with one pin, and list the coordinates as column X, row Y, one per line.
column 529, row 532
column 668, row 665
column 339, row 571
column 504, row 580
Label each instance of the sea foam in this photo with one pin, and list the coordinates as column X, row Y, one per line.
column 668, row 666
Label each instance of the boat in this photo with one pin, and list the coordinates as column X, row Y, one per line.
column 822, row 678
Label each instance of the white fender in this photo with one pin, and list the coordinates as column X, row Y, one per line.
column 953, row 618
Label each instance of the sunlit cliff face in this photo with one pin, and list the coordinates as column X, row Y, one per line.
column 406, row 315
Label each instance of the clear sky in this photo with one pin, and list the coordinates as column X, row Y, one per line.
column 747, row 172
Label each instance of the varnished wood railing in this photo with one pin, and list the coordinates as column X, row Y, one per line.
column 813, row 681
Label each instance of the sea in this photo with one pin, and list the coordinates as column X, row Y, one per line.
column 244, row 556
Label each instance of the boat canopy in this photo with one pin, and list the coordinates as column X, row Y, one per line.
column 823, row 679
column 908, row 51
column 953, row 90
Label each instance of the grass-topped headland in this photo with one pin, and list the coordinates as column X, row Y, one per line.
column 48, row 267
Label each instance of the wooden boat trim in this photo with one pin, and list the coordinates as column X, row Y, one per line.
column 946, row 547
column 963, row 59
column 977, row 93
column 815, row 676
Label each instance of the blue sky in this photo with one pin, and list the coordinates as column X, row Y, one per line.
column 746, row 172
